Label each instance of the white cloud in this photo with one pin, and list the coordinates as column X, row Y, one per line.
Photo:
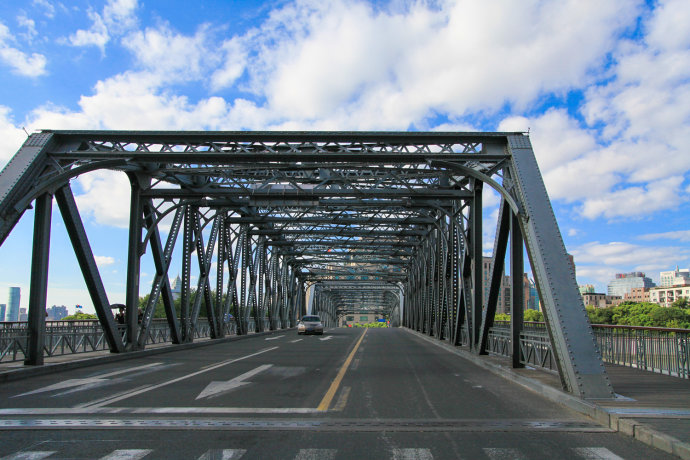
column 103, row 261
column 46, row 7
column 680, row 235
column 106, row 198
column 11, row 137
column 20, row 62
column 601, row 261
column 118, row 17
column 29, row 25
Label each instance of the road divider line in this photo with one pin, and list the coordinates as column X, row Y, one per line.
column 179, row 379
column 328, row 397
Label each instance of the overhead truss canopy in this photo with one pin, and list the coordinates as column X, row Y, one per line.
column 271, row 224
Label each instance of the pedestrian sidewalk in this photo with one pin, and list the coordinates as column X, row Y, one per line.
column 652, row 408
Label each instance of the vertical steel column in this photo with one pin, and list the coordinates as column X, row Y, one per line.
column 478, row 282
column 185, row 291
column 39, row 280
column 517, row 270
column 220, row 265
column 133, row 265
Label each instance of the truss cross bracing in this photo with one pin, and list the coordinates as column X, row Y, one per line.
column 270, row 225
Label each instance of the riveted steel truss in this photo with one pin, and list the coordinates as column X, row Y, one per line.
column 272, row 225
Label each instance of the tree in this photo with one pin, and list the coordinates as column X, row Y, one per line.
column 681, row 302
column 533, row 315
column 79, row 316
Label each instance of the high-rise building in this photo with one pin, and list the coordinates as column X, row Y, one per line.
column 13, row 309
column 625, row 282
column 56, row 313
column 503, row 304
column 586, row 289
column 23, row 315
column 674, row 278
column 176, row 288
column 3, row 308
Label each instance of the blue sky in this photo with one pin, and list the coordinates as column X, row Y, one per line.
column 603, row 87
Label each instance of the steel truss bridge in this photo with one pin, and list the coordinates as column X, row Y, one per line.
column 274, row 224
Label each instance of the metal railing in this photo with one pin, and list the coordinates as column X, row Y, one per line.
column 654, row 349
column 84, row 336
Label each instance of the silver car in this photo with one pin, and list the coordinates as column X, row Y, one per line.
column 310, row 324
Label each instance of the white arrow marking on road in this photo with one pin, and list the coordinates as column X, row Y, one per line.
column 215, row 388
column 87, row 382
column 273, row 338
column 328, row 337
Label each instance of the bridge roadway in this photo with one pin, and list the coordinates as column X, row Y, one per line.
column 352, row 393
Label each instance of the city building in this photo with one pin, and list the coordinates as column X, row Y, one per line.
column 176, row 288
column 674, row 278
column 3, row 309
column 586, row 289
column 625, row 282
column 637, row 295
column 503, row 304
column 530, row 293
column 23, row 315
column 665, row 296
column 599, row 300
column 13, row 308
column 359, row 318
column 56, row 313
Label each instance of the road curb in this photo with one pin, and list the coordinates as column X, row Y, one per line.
column 26, row 372
column 627, row 426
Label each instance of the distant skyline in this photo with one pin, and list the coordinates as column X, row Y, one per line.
column 602, row 87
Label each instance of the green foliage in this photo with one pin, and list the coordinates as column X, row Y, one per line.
column 681, row 303
column 529, row 315
column 533, row 315
column 79, row 316
column 375, row 324
column 641, row 314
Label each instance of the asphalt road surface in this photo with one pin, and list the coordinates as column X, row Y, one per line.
column 351, row 393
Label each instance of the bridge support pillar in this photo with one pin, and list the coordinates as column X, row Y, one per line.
column 39, row 280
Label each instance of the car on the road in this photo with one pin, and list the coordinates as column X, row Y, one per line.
column 310, row 324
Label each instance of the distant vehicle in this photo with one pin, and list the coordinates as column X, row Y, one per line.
column 310, row 324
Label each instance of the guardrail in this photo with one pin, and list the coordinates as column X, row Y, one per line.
column 83, row 336
column 654, row 349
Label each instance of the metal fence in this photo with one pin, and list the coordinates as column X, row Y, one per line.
column 83, row 336
column 654, row 349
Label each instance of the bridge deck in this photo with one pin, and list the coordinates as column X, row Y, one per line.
column 392, row 395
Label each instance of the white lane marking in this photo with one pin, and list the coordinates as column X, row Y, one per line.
column 596, row 453
column 412, row 454
column 295, row 341
column 179, row 379
column 100, row 400
column 155, row 410
column 86, row 382
column 274, row 338
column 30, row 455
column 224, row 454
column 354, row 365
column 316, row 454
column 498, row 453
column 127, row 454
column 216, row 388
column 328, row 337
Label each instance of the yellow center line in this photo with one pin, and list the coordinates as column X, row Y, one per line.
column 328, row 397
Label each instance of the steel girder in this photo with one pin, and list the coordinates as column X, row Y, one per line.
column 385, row 222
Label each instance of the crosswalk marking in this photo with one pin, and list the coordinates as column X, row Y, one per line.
column 31, row 455
column 596, row 453
column 412, row 454
column 127, row 454
column 316, row 454
column 223, row 454
column 497, row 453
